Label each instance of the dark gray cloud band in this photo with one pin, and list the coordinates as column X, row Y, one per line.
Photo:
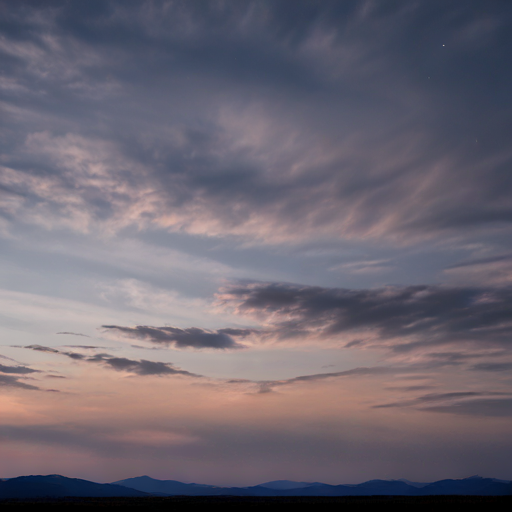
column 14, row 382
column 192, row 337
column 139, row 367
column 10, row 377
column 405, row 318
column 20, row 370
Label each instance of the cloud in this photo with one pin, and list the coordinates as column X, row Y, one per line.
column 400, row 318
column 74, row 334
column 16, row 369
column 437, row 397
column 269, row 385
column 493, row 367
column 492, row 271
column 364, row 267
column 140, row 367
column 254, row 119
column 482, row 261
column 41, row 348
column 409, row 388
column 14, row 382
column 490, row 407
column 92, row 347
column 183, row 338
column 472, row 403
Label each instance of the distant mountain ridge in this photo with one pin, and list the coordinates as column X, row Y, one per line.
column 165, row 487
column 37, row 486
column 468, row 486
column 288, row 484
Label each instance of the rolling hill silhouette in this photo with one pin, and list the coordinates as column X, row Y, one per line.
column 57, row 486
column 37, row 486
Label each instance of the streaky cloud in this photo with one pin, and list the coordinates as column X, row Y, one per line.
column 41, row 348
column 402, row 318
column 243, row 161
column 492, row 367
column 140, row 367
column 74, row 334
column 484, row 407
column 482, row 261
column 14, row 382
column 193, row 337
column 479, row 403
column 269, row 385
column 17, row 369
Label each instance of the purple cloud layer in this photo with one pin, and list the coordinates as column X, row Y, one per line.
column 255, row 119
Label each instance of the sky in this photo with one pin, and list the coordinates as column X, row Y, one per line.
column 243, row 241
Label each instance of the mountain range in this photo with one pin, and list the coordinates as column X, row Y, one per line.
column 35, row 486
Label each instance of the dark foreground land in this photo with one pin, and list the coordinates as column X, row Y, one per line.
column 185, row 502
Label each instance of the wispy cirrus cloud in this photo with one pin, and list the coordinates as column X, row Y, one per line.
column 493, row 366
column 490, row 271
column 74, row 334
column 223, row 153
column 474, row 403
column 269, row 386
column 483, row 407
column 454, row 396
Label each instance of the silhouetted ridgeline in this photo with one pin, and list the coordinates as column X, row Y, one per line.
column 56, row 486
column 468, row 486
column 25, row 487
